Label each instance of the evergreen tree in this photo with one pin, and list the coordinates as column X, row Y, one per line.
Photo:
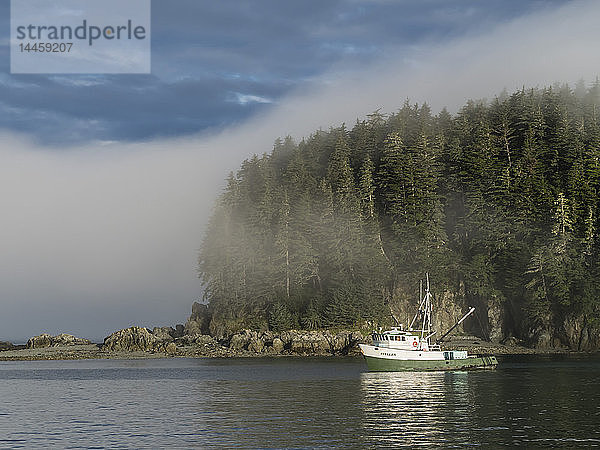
column 498, row 202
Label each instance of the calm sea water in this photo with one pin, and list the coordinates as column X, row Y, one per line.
column 297, row 403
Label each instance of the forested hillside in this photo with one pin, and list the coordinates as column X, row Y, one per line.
column 499, row 203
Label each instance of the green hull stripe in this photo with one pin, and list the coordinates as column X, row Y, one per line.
column 394, row 365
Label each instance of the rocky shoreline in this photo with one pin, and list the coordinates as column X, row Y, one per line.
column 139, row 342
column 193, row 340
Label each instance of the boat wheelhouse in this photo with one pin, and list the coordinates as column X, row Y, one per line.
column 396, row 338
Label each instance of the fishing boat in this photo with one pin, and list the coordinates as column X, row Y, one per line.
column 405, row 350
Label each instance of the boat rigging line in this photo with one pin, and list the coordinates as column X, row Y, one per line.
column 471, row 310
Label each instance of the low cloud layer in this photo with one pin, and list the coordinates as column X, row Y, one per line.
column 215, row 64
column 102, row 237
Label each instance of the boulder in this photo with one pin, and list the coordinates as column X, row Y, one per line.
column 204, row 339
column 6, row 346
column 511, row 341
column 277, row 345
column 164, row 333
column 68, row 339
column 195, row 339
column 296, row 344
column 171, row 349
column 240, row 341
column 267, row 337
column 256, row 345
column 130, row 340
column 320, row 343
column 41, row 341
column 543, row 340
column 188, row 339
column 45, row 340
column 339, row 342
column 179, row 331
column 307, row 342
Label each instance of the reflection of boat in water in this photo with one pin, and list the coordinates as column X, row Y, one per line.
column 397, row 349
column 416, row 410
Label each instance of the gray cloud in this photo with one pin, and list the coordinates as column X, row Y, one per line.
column 102, row 237
column 206, row 53
column 136, row 107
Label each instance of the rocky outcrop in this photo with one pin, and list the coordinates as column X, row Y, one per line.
column 46, row 340
column 136, row 339
column 168, row 333
column 131, row 339
column 255, row 343
column 296, row 342
column 579, row 334
column 198, row 321
column 41, row 341
column 277, row 345
column 68, row 339
column 241, row 340
column 542, row 340
column 6, row 346
column 311, row 342
column 574, row 332
column 171, row 349
column 164, row 333
column 195, row 339
column 446, row 312
column 495, row 319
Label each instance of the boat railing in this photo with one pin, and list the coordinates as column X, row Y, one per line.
column 435, row 348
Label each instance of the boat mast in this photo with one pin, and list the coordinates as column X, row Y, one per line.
column 424, row 309
column 421, row 303
column 426, row 327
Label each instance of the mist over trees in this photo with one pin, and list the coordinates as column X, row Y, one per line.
column 499, row 203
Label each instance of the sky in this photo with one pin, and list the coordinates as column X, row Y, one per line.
column 107, row 181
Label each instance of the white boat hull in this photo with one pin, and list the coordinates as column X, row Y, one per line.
column 391, row 359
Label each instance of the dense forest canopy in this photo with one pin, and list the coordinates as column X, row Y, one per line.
column 498, row 202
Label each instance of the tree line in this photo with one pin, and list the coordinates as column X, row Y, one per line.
column 498, row 202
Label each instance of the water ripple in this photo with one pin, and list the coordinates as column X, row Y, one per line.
column 295, row 403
